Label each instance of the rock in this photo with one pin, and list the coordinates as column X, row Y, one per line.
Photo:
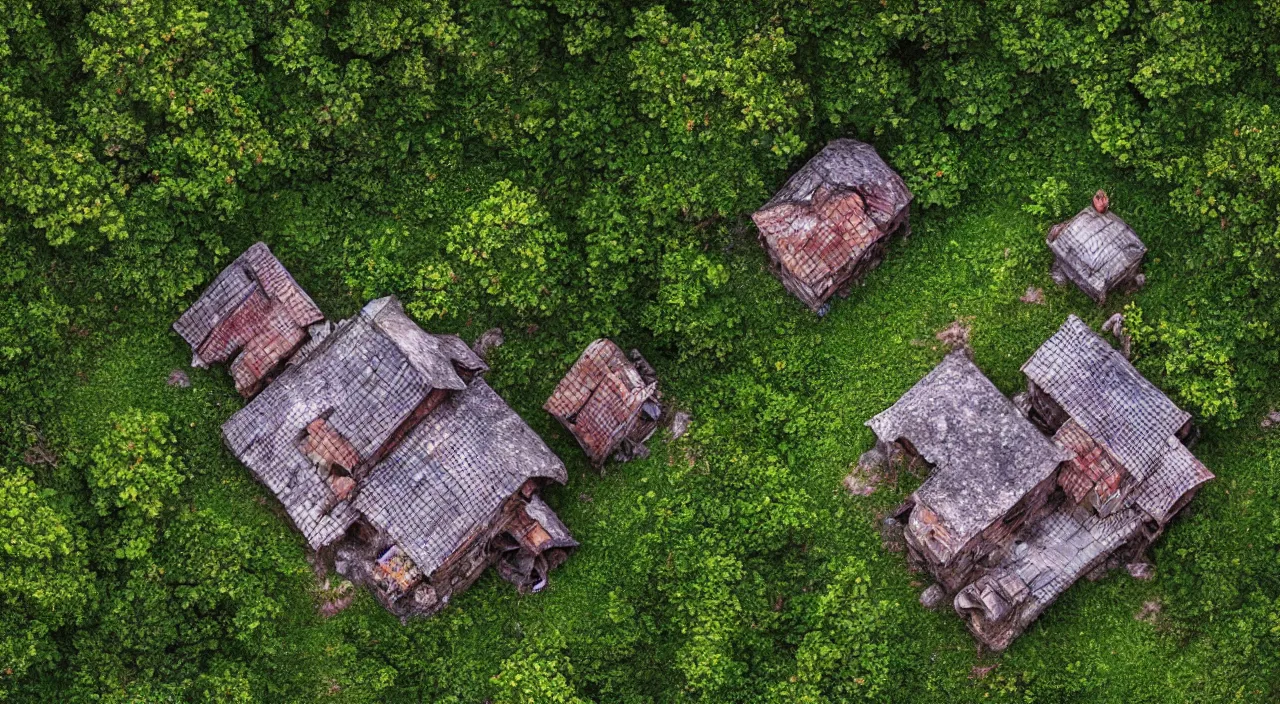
column 488, row 341
column 865, row 477
column 1033, row 296
column 1144, row 571
column 1115, row 326
column 1139, row 281
column 1273, row 418
column 178, row 378
column 680, row 424
column 933, row 597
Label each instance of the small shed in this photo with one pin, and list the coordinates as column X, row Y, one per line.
column 992, row 470
column 829, row 224
column 609, row 402
column 253, row 311
column 1097, row 250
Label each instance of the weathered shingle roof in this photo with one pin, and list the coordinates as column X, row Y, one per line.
column 1102, row 392
column 1098, row 246
column 1177, row 472
column 987, row 456
column 827, row 215
column 365, row 378
column 254, row 308
column 1049, row 557
column 600, row 398
column 452, row 473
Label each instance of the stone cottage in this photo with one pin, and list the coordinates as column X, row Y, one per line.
column 398, row 463
column 829, row 224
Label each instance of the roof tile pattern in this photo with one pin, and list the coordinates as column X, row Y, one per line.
column 255, row 308
column 818, row 226
column 363, row 380
column 449, row 477
column 600, row 398
column 1107, row 397
column 1100, row 247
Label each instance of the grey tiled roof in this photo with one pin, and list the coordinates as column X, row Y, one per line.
column 1099, row 246
column 365, row 377
column 987, row 456
column 1102, row 391
column 451, row 474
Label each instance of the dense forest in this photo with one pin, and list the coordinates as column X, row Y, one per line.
column 570, row 169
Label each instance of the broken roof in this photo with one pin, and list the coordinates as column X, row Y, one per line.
column 1100, row 247
column 1100, row 390
column 600, row 398
column 254, row 308
column 986, row 455
column 828, row 214
column 449, row 477
column 365, row 378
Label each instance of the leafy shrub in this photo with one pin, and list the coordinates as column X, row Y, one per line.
column 133, row 475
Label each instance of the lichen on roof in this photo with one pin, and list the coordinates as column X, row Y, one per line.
column 986, row 455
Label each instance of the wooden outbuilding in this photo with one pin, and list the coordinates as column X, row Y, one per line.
column 829, row 224
column 398, row 463
column 1097, row 250
column 1117, row 474
column 609, row 402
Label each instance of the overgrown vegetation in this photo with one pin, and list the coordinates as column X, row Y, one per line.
column 570, row 169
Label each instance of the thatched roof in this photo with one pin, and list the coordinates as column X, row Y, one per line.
column 365, row 379
column 986, row 454
column 827, row 215
column 451, row 474
column 255, row 309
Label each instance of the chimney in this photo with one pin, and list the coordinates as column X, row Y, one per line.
column 1100, row 201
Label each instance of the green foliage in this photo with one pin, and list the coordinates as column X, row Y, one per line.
column 132, row 476
column 853, row 646
column 45, row 582
column 505, row 253
column 569, row 169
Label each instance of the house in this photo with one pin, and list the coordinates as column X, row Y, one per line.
column 992, row 470
column 1118, row 474
column 398, row 463
column 1097, row 250
column 609, row 402
column 253, row 313
column 829, row 224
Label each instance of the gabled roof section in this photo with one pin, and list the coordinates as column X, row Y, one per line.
column 452, row 473
column 431, row 355
column 255, row 311
column 1099, row 246
column 848, row 165
column 986, row 455
column 600, row 398
column 1102, row 392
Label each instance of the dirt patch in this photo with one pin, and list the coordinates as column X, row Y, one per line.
column 1149, row 613
column 178, row 378
column 956, row 335
column 1033, row 296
